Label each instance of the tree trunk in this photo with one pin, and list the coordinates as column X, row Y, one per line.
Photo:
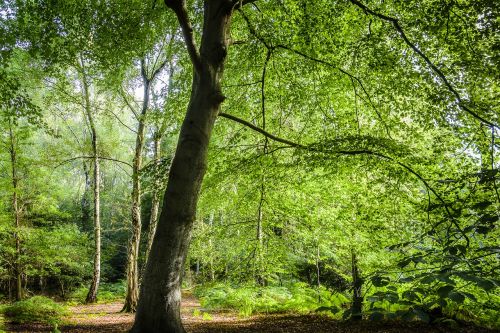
column 133, row 251
column 17, row 214
column 85, row 201
column 318, row 272
column 160, row 298
column 357, row 284
column 155, row 201
column 96, row 277
column 210, row 246
column 259, row 276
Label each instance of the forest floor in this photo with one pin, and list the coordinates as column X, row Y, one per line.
column 107, row 318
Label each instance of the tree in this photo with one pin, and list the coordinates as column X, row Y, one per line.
column 160, row 296
column 17, row 115
column 149, row 71
column 159, row 301
column 96, row 181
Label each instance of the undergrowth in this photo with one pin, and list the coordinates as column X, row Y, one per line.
column 248, row 300
column 37, row 309
column 107, row 293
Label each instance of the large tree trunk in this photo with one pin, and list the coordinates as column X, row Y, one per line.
column 160, row 298
column 96, row 277
column 133, row 250
column 17, row 214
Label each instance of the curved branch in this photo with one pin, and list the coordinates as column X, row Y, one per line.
column 352, row 77
column 92, row 157
column 351, row 152
column 180, row 10
column 261, row 131
column 437, row 71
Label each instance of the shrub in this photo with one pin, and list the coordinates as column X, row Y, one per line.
column 37, row 309
column 108, row 292
column 247, row 300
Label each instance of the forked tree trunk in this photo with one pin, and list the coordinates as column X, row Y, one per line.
column 157, row 193
column 160, row 298
column 17, row 214
column 96, row 276
column 132, row 296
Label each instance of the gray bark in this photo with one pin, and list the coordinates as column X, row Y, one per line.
column 160, row 297
column 17, row 214
column 96, row 276
column 357, row 284
column 155, row 200
column 132, row 296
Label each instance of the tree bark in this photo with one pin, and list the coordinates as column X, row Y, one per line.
column 17, row 214
column 357, row 284
column 133, row 250
column 259, row 276
column 160, row 298
column 96, row 276
column 155, row 200
column 85, row 201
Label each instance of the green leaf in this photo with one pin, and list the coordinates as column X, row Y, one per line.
column 456, row 297
column 470, row 296
column 487, row 285
column 376, row 316
column 380, row 281
column 444, row 290
column 428, row 279
column 422, row 315
column 411, row 295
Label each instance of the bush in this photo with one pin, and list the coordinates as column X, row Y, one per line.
column 108, row 292
column 37, row 309
column 247, row 300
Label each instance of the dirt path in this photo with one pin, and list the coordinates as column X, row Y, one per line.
column 107, row 318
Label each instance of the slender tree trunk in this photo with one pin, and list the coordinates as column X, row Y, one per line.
column 85, row 201
column 17, row 214
column 159, row 302
column 318, row 271
column 96, row 277
column 357, row 284
column 132, row 296
column 210, row 244
column 155, row 201
column 260, row 237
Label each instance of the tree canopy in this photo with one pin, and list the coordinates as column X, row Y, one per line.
column 350, row 146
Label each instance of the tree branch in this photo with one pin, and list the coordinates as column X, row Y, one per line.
column 437, row 71
column 91, row 157
column 123, row 94
column 320, row 61
column 180, row 10
column 351, row 152
column 263, row 132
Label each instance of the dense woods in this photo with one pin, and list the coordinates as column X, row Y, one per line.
column 335, row 158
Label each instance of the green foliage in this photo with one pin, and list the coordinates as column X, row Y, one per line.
column 107, row 293
column 248, row 300
column 392, row 159
column 37, row 309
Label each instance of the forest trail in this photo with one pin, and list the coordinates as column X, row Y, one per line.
column 107, row 318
